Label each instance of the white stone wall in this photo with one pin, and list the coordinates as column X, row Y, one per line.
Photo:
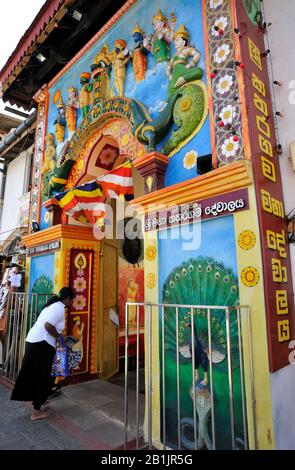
column 280, row 36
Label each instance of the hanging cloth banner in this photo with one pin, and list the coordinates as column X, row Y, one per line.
column 84, row 203
column 118, row 182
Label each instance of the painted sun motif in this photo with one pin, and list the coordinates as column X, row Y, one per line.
column 151, row 253
column 151, row 281
column 79, row 302
column 250, row 276
column 247, row 239
column 229, row 147
column 79, row 284
column 190, row 159
column 227, row 114
column 221, row 53
column 215, row 4
column 220, row 23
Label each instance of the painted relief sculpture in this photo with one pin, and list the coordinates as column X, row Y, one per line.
column 120, row 59
column 139, row 54
column 162, row 36
column 48, row 164
column 185, row 75
column 101, row 74
column 185, row 101
column 60, row 122
column 182, row 68
column 85, row 96
column 200, row 281
column 60, row 173
column 71, row 110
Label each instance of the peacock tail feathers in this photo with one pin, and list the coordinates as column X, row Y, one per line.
column 201, row 281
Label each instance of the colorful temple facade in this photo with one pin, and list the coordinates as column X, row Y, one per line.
column 183, row 93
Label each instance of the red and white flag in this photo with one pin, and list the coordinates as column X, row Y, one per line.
column 118, row 182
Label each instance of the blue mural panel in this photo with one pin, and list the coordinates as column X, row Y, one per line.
column 150, row 68
column 42, row 274
column 203, row 274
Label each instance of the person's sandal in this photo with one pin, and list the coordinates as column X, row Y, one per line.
column 39, row 415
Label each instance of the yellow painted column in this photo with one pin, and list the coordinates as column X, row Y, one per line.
column 151, row 281
column 250, row 273
column 27, row 275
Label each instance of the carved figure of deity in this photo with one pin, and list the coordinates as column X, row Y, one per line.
column 85, row 96
column 162, row 36
column 139, row 54
column 101, row 74
column 48, row 164
column 120, row 59
column 71, row 109
column 60, row 122
column 183, row 66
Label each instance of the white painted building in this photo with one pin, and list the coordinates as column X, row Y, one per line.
column 279, row 39
column 16, row 193
column 16, row 150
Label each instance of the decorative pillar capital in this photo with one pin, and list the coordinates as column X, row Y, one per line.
column 54, row 210
column 152, row 167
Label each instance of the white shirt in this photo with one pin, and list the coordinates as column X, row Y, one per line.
column 15, row 279
column 55, row 315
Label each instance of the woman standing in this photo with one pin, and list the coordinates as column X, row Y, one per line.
column 34, row 381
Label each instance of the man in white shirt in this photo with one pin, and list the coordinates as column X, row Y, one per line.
column 15, row 279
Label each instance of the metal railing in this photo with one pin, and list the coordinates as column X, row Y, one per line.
column 215, row 417
column 22, row 311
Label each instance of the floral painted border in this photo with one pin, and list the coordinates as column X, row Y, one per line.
column 227, row 119
column 38, row 157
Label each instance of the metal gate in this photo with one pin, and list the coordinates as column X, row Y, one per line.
column 203, row 425
column 22, row 311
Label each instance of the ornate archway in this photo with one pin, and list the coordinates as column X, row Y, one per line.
column 114, row 134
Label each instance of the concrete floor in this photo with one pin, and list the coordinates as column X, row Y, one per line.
column 87, row 416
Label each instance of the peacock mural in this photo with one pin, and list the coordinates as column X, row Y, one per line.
column 201, row 281
column 41, row 284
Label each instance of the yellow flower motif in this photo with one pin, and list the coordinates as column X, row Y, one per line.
column 190, row 159
column 108, row 105
column 151, row 281
column 125, row 139
column 185, row 104
column 247, row 239
column 126, row 107
column 150, row 253
column 250, row 276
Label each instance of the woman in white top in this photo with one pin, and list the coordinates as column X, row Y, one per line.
column 34, row 381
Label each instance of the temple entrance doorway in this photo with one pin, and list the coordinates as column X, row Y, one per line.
column 120, row 273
